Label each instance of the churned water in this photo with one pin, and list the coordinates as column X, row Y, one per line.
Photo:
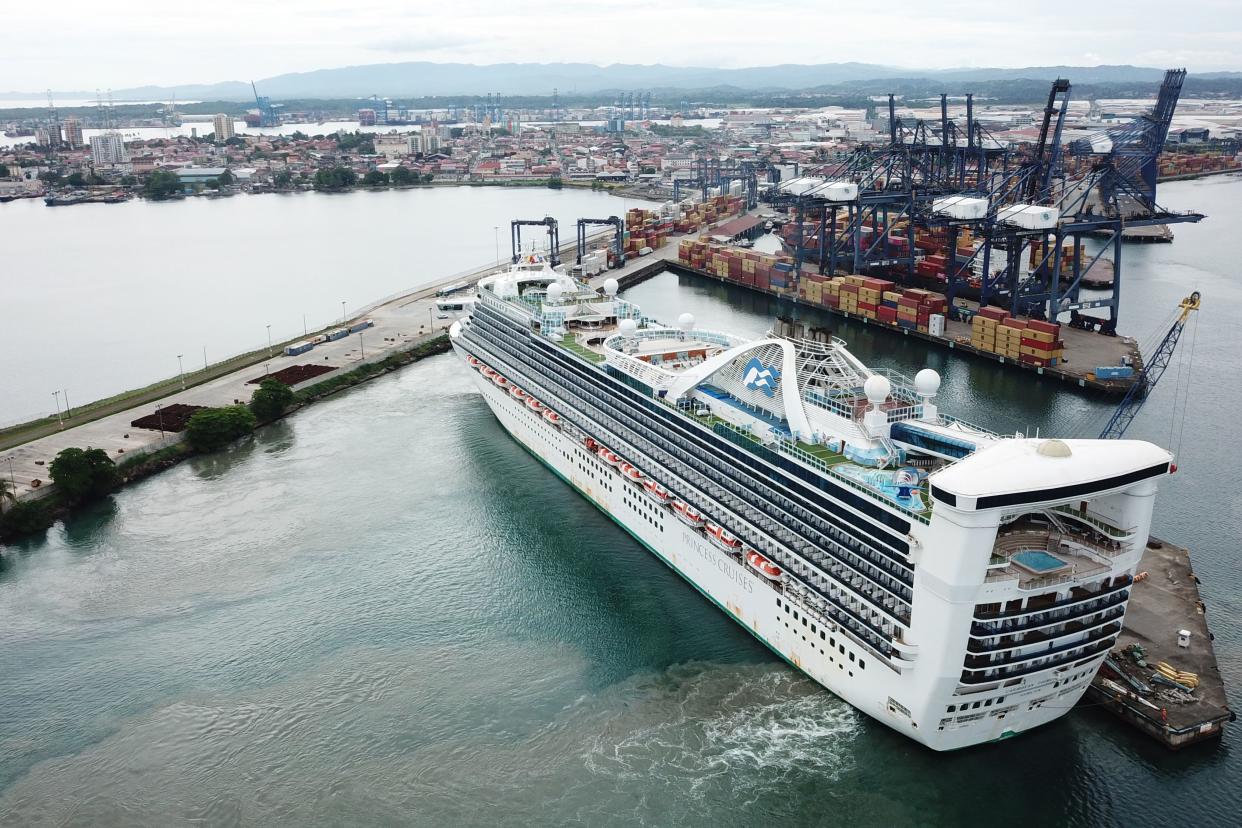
column 383, row 611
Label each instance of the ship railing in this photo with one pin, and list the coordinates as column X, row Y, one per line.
column 1096, row 521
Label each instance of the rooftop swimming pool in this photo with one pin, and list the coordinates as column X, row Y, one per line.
column 1038, row 561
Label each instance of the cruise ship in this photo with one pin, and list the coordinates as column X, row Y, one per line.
column 958, row 585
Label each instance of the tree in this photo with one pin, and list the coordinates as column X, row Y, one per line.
column 80, row 474
column 211, row 429
column 554, row 182
column 427, row 178
column 129, row 180
column 25, row 517
column 211, row 184
column 7, row 494
column 270, row 399
column 50, row 178
column 375, row 178
column 4, row 171
column 161, row 184
column 335, row 178
column 226, row 178
column 402, row 176
column 76, row 179
column 282, row 179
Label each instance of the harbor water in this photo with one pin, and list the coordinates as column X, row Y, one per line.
column 384, row 611
column 101, row 298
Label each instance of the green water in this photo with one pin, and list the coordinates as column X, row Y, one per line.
column 383, row 611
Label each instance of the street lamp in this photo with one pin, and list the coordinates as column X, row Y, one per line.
column 68, row 410
column 362, row 348
column 181, row 371
column 342, row 311
column 59, row 419
column 12, row 479
column 159, row 412
column 269, row 341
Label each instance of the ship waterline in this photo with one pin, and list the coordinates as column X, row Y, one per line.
column 956, row 585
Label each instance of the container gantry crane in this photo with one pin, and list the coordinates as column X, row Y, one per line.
column 554, row 237
column 618, row 245
column 1159, row 360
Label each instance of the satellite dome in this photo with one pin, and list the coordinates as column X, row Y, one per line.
column 927, row 382
column 1054, row 448
column 611, row 286
column 877, row 389
column 555, row 291
column 686, row 321
column 628, row 327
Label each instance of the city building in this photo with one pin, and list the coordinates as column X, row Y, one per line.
column 108, row 149
column 73, row 133
column 394, row 145
column 223, row 125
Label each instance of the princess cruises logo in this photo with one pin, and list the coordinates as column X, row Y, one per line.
column 760, row 377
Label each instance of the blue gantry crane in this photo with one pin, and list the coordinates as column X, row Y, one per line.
column 267, row 112
column 554, row 237
column 1157, row 362
column 618, row 244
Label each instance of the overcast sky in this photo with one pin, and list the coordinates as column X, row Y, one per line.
column 85, row 44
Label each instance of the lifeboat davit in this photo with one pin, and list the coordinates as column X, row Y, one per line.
column 552, row 417
column 722, row 538
column 631, row 472
column 656, row 492
column 608, row 457
column 517, row 393
column 490, row 373
column 534, row 404
column 687, row 514
column 473, row 362
column 763, row 566
column 501, row 381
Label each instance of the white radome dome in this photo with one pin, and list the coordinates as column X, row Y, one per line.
column 877, row 389
column 555, row 291
column 686, row 321
column 628, row 327
column 927, row 382
column 1054, row 448
column 611, row 286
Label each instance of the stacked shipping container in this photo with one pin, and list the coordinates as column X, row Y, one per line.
column 1030, row 341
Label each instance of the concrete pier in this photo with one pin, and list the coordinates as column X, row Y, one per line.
column 1162, row 604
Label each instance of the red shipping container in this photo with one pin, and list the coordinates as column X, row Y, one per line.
column 1045, row 327
column 887, row 314
column 866, row 306
column 1033, row 360
column 1027, row 342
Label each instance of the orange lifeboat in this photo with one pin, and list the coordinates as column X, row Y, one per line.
column 501, row 381
column 552, row 417
column 656, row 492
column 763, row 566
column 490, row 373
column 534, row 404
column 687, row 514
column 631, row 472
column 473, row 362
column 722, row 538
column 517, row 393
column 590, row 444
column 608, row 457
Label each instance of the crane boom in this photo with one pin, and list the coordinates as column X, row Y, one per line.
column 1160, row 358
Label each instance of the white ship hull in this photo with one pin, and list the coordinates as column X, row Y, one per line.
column 829, row 657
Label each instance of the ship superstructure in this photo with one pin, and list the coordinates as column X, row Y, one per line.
column 958, row 585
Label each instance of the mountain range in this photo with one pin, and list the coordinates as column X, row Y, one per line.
column 420, row 79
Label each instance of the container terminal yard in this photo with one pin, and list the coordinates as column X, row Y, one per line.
column 942, row 236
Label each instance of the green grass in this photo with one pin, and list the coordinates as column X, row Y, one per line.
column 570, row 344
column 822, row 452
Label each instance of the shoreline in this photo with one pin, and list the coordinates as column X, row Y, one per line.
column 139, row 467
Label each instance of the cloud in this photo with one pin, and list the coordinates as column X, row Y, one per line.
column 419, row 43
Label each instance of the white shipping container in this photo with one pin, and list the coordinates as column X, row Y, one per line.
column 837, row 191
column 1030, row 216
column 961, row 207
column 935, row 324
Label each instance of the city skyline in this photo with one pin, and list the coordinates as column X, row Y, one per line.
column 78, row 46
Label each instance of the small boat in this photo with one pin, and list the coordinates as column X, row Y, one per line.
column 552, row 417
column 534, row 404
column 517, row 393
column 722, row 538
column 687, row 514
column 490, row 373
column 608, row 457
column 763, row 566
column 501, row 381
column 590, row 444
column 656, row 492
column 473, row 362
column 631, row 472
